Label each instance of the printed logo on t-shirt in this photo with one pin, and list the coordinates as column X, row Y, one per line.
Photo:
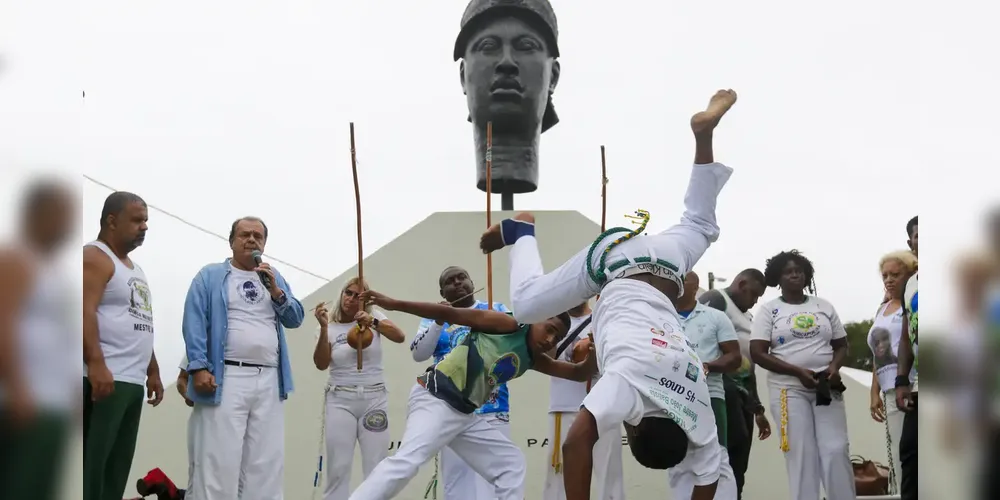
column 677, row 365
column 654, row 331
column 692, row 372
column 139, row 305
column 803, row 325
column 668, row 328
column 504, row 369
column 659, row 343
column 341, row 339
column 251, row 292
column 881, row 344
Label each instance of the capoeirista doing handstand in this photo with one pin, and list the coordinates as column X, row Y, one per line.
column 651, row 378
column 442, row 404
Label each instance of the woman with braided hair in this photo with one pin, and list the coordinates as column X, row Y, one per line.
column 800, row 340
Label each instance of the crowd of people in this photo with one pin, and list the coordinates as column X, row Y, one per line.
column 675, row 368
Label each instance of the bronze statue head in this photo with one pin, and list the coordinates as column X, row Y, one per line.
column 508, row 73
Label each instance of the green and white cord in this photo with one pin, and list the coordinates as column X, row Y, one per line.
column 599, row 276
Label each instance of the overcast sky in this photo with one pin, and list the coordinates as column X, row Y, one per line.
column 214, row 110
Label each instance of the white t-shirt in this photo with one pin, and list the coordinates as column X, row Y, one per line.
column 125, row 321
column 799, row 334
column 640, row 338
column 567, row 395
column 344, row 361
column 252, row 332
column 883, row 340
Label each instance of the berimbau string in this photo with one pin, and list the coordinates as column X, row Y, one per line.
column 489, row 207
column 361, row 269
column 604, row 217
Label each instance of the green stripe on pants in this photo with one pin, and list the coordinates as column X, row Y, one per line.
column 721, row 420
column 110, row 428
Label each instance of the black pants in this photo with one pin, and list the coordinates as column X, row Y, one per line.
column 740, row 433
column 908, row 454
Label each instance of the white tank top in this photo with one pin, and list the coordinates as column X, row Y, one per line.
column 344, row 358
column 883, row 341
column 742, row 324
column 46, row 338
column 125, row 321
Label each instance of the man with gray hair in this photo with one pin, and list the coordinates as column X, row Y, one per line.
column 240, row 374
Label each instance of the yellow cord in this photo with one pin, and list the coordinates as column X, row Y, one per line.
column 784, row 420
column 556, row 444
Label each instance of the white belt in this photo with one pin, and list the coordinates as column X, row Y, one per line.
column 356, row 389
column 645, row 265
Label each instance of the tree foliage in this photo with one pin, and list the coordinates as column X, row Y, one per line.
column 859, row 355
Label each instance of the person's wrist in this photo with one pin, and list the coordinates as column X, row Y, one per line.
column 902, row 381
column 278, row 295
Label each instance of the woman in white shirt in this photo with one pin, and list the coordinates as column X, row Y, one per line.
column 356, row 400
column 800, row 340
column 883, row 340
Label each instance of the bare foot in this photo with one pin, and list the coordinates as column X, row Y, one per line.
column 491, row 240
column 705, row 121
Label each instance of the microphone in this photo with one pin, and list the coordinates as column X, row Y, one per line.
column 264, row 278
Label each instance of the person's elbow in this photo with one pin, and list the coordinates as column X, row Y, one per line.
column 321, row 363
column 420, row 355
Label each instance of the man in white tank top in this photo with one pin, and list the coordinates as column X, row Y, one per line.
column 565, row 399
column 38, row 370
column 117, row 347
column 743, row 405
column 235, row 318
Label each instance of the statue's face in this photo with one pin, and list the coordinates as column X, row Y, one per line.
column 507, row 74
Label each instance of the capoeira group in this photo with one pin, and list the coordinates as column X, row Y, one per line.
column 651, row 379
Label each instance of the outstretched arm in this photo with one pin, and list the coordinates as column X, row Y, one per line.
column 579, row 372
column 480, row 321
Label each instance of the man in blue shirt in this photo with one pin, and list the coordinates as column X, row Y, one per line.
column 712, row 335
column 435, row 340
column 234, row 325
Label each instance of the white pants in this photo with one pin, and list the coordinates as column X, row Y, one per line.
column 894, row 426
column 431, row 424
column 192, row 431
column 458, row 480
column 818, row 451
column 536, row 296
column 354, row 415
column 243, row 436
column 607, row 480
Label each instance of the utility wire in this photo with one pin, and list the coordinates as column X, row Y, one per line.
column 210, row 233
